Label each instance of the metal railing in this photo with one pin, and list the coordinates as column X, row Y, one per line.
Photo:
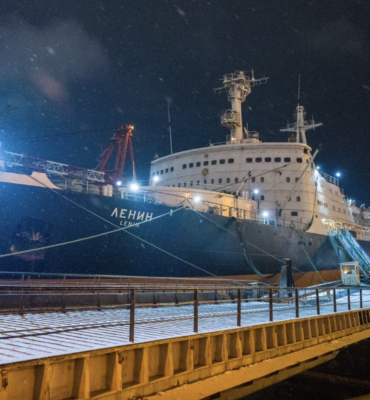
column 242, row 306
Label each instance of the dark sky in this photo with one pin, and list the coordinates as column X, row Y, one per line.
column 67, row 66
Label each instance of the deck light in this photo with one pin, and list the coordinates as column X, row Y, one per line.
column 337, row 174
column 318, row 167
column 265, row 214
column 156, row 178
column 134, row 186
column 119, row 183
column 197, row 199
column 256, row 191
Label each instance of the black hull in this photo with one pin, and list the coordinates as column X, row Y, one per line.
column 35, row 217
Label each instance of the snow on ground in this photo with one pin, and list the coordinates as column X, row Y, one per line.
column 33, row 336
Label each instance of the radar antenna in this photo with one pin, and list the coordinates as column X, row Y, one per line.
column 238, row 86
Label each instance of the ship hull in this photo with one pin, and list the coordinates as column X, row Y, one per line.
column 155, row 240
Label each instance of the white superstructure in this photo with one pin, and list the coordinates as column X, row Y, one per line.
column 280, row 177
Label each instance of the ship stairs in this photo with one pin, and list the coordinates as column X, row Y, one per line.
column 344, row 242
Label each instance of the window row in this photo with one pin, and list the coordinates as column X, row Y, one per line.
column 276, row 159
column 211, row 181
column 229, row 161
column 205, row 163
column 164, row 171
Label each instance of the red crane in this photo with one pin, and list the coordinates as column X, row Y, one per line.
column 121, row 141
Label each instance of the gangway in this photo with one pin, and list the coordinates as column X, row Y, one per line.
column 342, row 238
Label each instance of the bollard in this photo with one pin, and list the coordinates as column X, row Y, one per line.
column 361, row 298
column 132, row 316
column 196, row 310
column 335, row 300
column 239, row 319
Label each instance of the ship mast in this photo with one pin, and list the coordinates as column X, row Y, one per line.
column 300, row 126
column 238, row 86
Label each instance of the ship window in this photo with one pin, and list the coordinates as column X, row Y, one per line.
column 268, row 159
column 198, row 183
column 277, row 159
column 205, row 162
column 296, row 179
column 222, row 161
column 166, row 171
column 253, row 179
column 172, row 168
column 299, row 160
column 214, row 162
column 220, row 180
column 262, row 197
column 162, row 172
column 236, row 180
column 262, row 179
column 179, row 185
column 212, row 181
column 198, row 164
column 205, row 181
column 230, row 160
column 184, row 184
column 305, row 151
column 157, row 172
column 249, row 160
column 294, row 213
column 183, row 166
column 191, row 183
column 288, row 179
column 298, row 198
column 287, row 159
column 228, row 180
column 173, row 185
column 153, row 173
column 191, row 165
column 258, row 159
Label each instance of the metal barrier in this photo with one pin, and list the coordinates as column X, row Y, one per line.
column 246, row 304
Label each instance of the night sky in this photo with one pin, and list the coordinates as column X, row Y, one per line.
column 68, row 66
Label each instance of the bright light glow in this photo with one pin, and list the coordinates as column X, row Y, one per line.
column 156, row 178
column 256, row 191
column 338, row 174
column 119, row 183
column 265, row 214
column 197, row 199
column 318, row 167
column 134, row 186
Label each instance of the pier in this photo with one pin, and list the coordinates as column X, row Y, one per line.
column 105, row 338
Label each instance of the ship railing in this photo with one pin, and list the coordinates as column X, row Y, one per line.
column 16, row 278
column 329, row 178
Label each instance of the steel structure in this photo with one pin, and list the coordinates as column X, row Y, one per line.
column 238, row 86
column 121, row 141
column 51, row 167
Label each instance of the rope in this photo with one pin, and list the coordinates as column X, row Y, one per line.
column 85, row 238
column 135, row 236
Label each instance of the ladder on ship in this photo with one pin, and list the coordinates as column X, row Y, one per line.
column 342, row 238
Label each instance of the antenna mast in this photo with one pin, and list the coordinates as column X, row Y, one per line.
column 238, row 86
column 168, row 100
column 300, row 126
